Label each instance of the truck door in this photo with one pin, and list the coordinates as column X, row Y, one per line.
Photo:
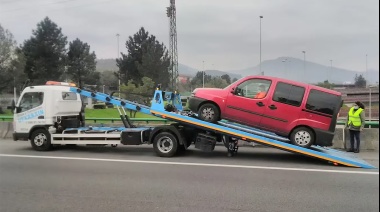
column 29, row 111
column 246, row 104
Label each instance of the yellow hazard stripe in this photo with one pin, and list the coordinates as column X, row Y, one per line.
column 251, row 138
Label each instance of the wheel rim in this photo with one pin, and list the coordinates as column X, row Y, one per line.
column 208, row 113
column 40, row 139
column 165, row 144
column 302, row 138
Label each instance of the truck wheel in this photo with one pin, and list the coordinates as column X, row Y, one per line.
column 303, row 137
column 40, row 140
column 209, row 112
column 165, row 144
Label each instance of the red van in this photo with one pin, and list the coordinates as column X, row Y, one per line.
column 304, row 113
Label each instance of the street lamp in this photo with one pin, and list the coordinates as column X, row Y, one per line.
column 370, row 103
column 117, row 35
column 203, row 74
column 304, row 62
column 331, row 67
column 366, row 67
column 284, row 61
column 262, row 72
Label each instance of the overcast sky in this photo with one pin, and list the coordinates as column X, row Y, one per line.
column 220, row 32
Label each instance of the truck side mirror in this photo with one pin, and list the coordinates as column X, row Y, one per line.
column 233, row 90
column 13, row 107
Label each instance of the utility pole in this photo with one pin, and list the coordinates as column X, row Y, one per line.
column 304, row 63
column 366, row 69
column 203, row 74
column 118, row 57
column 173, row 50
column 262, row 72
column 331, row 67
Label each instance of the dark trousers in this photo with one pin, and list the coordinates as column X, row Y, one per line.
column 355, row 135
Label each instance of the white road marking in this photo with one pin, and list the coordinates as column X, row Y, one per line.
column 192, row 164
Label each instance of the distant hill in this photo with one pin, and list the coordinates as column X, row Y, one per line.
column 284, row 67
column 293, row 68
column 110, row 64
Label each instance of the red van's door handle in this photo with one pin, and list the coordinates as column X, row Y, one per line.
column 272, row 107
column 260, row 104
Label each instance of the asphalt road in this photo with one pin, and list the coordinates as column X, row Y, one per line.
column 135, row 179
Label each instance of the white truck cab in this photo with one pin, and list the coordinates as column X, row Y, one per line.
column 48, row 109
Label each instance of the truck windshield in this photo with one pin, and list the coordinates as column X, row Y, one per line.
column 31, row 100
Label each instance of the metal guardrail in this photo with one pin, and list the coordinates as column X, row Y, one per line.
column 374, row 124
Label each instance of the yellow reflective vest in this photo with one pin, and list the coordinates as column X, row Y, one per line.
column 354, row 117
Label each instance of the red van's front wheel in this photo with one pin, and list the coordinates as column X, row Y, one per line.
column 303, row 137
column 209, row 112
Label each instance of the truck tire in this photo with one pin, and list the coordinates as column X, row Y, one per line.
column 40, row 140
column 209, row 112
column 302, row 137
column 165, row 144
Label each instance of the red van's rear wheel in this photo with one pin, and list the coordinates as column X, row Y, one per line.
column 303, row 137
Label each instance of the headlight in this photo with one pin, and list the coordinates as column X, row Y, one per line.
column 194, row 92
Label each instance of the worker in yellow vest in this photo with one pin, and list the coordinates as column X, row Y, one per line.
column 355, row 123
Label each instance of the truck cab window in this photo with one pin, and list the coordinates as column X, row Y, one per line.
column 30, row 100
column 69, row 96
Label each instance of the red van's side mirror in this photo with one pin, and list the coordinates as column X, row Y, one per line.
column 233, row 90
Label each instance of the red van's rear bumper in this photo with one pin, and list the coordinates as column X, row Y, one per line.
column 324, row 137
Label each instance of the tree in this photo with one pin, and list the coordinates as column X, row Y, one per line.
column 141, row 94
column 11, row 62
column 145, row 57
column 217, row 82
column 7, row 47
column 227, row 78
column 45, row 53
column 360, row 81
column 81, row 64
column 326, row 84
column 197, row 81
column 109, row 79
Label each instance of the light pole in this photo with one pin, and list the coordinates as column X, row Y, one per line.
column 304, row 62
column 284, row 61
column 262, row 72
column 117, row 35
column 331, row 67
column 203, row 74
column 370, row 104
column 366, row 68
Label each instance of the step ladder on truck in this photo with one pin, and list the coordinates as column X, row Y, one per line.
column 45, row 128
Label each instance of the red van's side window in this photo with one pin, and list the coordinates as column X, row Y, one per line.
column 254, row 88
column 289, row 94
column 322, row 102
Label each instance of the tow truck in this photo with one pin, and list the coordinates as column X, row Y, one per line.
column 53, row 114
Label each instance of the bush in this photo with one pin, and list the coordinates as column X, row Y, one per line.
column 100, row 106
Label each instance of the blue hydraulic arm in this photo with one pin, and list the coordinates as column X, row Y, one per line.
column 112, row 100
column 159, row 100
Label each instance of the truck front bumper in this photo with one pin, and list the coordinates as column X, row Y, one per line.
column 20, row 136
